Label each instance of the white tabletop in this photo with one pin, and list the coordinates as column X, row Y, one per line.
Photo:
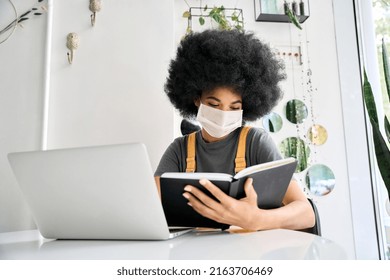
column 271, row 244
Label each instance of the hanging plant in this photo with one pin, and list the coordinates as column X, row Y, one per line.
column 35, row 11
column 293, row 18
column 225, row 18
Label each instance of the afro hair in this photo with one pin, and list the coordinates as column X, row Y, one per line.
column 220, row 58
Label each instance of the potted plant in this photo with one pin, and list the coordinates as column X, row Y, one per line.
column 381, row 143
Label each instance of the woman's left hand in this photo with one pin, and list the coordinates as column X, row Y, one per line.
column 226, row 210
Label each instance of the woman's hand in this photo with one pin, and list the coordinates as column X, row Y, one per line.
column 227, row 210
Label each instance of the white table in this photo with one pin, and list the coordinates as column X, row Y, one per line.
column 271, row 245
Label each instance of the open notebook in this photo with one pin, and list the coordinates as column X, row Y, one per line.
column 270, row 181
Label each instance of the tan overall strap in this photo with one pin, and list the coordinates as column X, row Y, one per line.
column 191, row 164
column 240, row 162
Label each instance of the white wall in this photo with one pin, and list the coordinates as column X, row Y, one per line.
column 21, row 93
column 113, row 91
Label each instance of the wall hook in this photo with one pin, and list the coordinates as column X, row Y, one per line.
column 94, row 6
column 72, row 43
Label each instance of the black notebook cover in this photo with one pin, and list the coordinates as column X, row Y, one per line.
column 270, row 184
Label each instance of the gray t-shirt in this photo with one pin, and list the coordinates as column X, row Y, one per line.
column 219, row 156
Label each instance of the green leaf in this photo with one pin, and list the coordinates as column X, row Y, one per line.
column 387, row 129
column 216, row 17
column 382, row 156
column 271, row 126
column 25, row 14
column 22, row 19
column 369, row 99
column 293, row 18
column 386, row 67
column 186, row 14
column 291, row 111
column 238, row 27
column 201, row 20
column 213, row 11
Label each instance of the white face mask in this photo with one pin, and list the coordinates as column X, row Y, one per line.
column 218, row 123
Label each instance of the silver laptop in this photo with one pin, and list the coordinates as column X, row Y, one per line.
column 102, row 192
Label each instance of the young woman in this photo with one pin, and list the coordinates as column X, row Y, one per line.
column 225, row 78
